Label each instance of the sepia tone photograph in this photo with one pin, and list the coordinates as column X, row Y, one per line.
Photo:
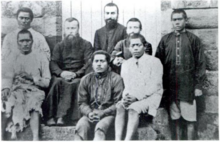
column 83, row 70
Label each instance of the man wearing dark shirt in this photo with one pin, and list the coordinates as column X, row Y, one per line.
column 98, row 94
column 68, row 64
column 184, row 72
column 108, row 36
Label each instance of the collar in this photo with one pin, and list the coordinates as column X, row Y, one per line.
column 101, row 75
column 177, row 33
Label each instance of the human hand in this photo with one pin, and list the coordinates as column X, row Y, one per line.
column 98, row 114
column 26, row 76
column 198, row 92
column 118, row 61
column 68, row 75
column 5, row 94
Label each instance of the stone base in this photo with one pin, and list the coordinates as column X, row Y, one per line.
column 156, row 130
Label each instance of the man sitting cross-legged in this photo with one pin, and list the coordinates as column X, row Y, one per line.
column 142, row 75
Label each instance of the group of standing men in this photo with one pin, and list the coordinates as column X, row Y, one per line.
column 126, row 81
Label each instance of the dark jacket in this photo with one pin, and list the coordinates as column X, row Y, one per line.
column 181, row 80
column 109, row 92
column 101, row 38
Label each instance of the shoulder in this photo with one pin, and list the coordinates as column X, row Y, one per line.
column 167, row 36
column 87, row 78
column 121, row 26
column 115, row 77
column 191, row 35
column 11, row 34
column 35, row 33
column 101, row 30
column 86, row 43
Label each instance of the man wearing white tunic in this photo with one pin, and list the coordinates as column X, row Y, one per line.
column 23, row 76
column 142, row 75
column 24, row 18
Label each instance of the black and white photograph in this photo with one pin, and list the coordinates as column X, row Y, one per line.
column 83, row 70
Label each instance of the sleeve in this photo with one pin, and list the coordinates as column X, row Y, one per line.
column 87, row 59
column 156, row 76
column 7, row 72
column 124, row 75
column 200, row 61
column 6, row 47
column 118, row 47
column 45, row 47
column 160, row 53
column 117, row 95
column 97, row 45
column 83, row 98
column 44, row 80
column 56, row 61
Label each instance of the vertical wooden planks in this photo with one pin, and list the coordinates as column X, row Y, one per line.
column 76, row 12
column 65, row 12
column 86, row 20
column 96, row 17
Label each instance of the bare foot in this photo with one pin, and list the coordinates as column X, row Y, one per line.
column 51, row 121
column 60, row 121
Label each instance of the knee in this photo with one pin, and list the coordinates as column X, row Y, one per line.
column 99, row 134
column 120, row 109
column 132, row 112
column 190, row 125
column 57, row 80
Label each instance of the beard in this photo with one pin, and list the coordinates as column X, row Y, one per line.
column 71, row 40
column 111, row 23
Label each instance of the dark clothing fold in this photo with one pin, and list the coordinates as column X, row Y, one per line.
column 181, row 80
column 107, row 39
column 100, row 93
column 61, row 100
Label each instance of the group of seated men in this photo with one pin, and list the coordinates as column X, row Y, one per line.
column 96, row 86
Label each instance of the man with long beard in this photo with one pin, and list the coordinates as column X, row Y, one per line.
column 68, row 64
column 108, row 36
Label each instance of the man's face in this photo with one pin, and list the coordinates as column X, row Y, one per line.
column 111, row 15
column 24, row 20
column 71, row 29
column 136, row 47
column 100, row 63
column 133, row 28
column 24, row 43
column 178, row 21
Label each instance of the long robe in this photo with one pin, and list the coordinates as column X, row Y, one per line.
column 186, row 73
column 62, row 97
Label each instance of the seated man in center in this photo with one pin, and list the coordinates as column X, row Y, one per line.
column 98, row 94
column 69, row 61
column 142, row 75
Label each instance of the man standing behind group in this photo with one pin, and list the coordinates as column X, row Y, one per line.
column 68, row 64
column 121, row 50
column 184, row 72
column 108, row 36
column 24, row 18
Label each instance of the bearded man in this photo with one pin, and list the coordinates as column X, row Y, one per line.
column 69, row 61
column 108, row 36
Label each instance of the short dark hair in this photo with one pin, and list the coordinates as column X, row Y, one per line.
column 24, row 31
column 25, row 9
column 72, row 19
column 112, row 4
column 179, row 11
column 135, row 36
column 102, row 52
column 135, row 20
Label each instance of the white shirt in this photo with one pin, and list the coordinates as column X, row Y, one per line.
column 142, row 77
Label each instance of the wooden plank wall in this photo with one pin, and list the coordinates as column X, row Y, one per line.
column 90, row 14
